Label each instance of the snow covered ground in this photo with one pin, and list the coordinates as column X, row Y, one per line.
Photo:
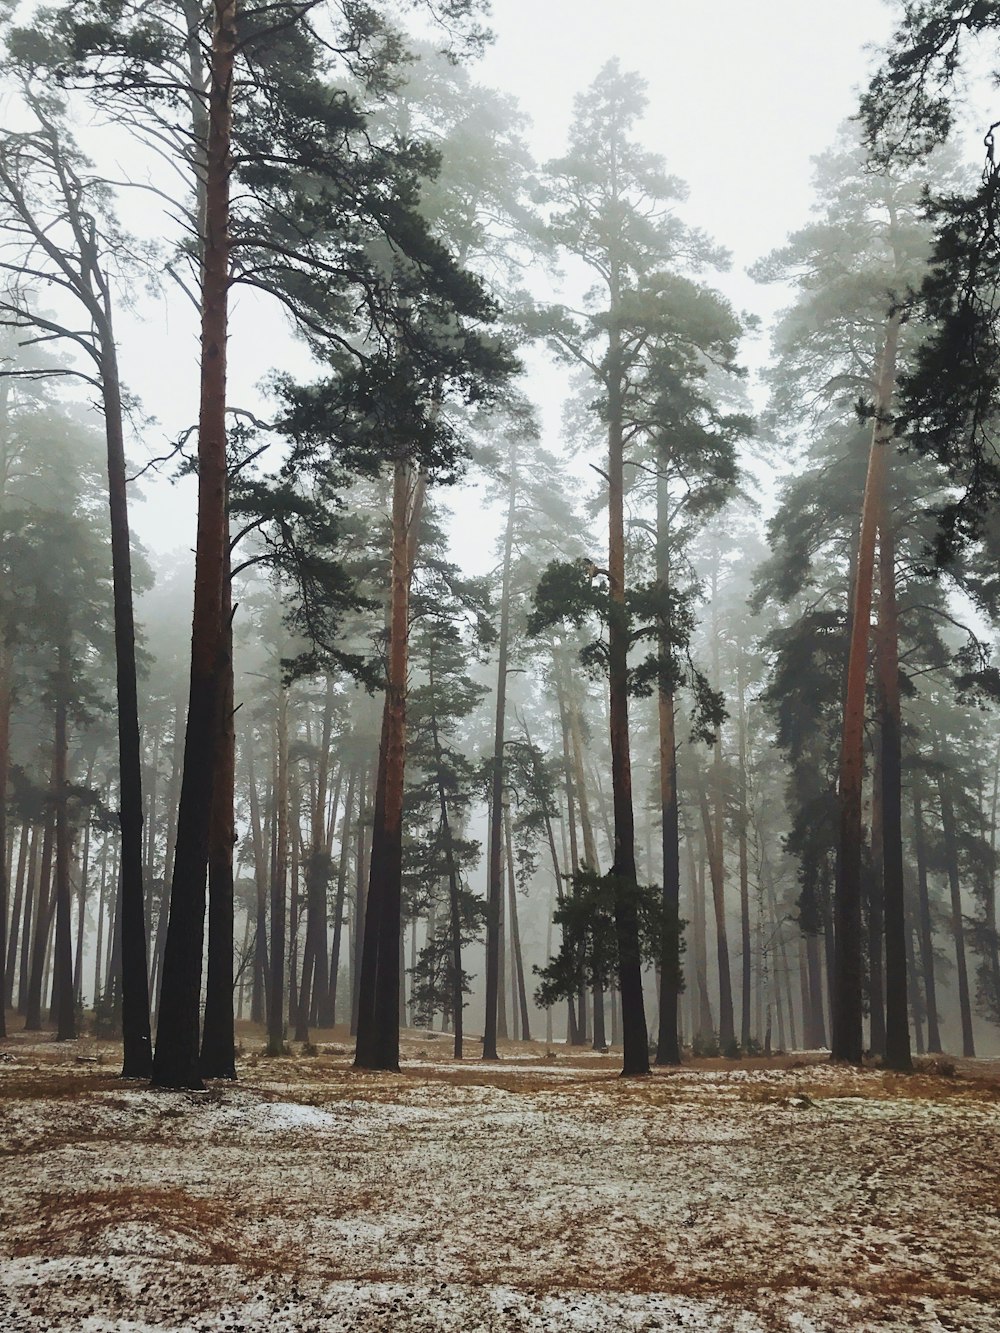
column 543, row 1194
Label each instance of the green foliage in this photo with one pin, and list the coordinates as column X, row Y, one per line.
column 588, row 955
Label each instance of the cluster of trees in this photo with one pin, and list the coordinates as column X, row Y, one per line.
column 785, row 720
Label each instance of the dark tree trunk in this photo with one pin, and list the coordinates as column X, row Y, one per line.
column 872, row 884
column 727, row 1022
column 378, row 1010
column 218, row 1038
column 668, row 1040
column 279, row 871
column 63, row 981
column 360, row 904
column 258, row 992
column 177, row 1056
column 743, row 818
column 44, row 906
column 623, row 870
column 957, row 922
column 138, row 1052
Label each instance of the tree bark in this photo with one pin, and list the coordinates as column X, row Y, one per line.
column 957, row 922
column 897, row 1031
column 515, row 931
column 338, row 915
column 848, row 1039
column 623, row 869
column 276, row 988
column 494, row 882
column 176, row 1060
column 218, row 1038
column 378, row 1011
column 5, row 702
column 668, row 1049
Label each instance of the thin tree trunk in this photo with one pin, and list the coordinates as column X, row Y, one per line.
column 743, row 819
column 338, row 915
column 5, row 701
column 44, row 905
column 515, row 931
column 24, row 841
column 727, row 1027
column 957, row 922
column 63, row 983
column 82, row 909
column 276, row 989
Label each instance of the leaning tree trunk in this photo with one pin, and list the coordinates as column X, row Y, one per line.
column 623, row 870
column 848, row 1040
column 138, row 1053
column 176, row 1061
column 897, row 1030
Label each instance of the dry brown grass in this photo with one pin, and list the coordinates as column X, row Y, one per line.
column 77, row 1221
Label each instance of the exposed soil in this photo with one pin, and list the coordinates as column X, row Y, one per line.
column 543, row 1193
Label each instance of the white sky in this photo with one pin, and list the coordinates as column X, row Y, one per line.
column 742, row 93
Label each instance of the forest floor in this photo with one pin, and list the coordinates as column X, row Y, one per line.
column 544, row 1193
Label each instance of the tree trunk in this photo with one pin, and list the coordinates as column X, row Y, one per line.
column 5, row 701
column 848, row 1038
column 668, row 1050
column 176, row 1061
column 25, row 840
column 623, row 869
column 279, row 871
column 138, row 1053
column 63, row 984
column 578, row 1024
column 494, row 882
column 727, row 1024
column 338, row 915
column 743, row 818
column 378, row 1012
column 44, row 904
column 897, row 1031
column 173, row 801
column 218, row 1039
column 515, row 932
column 957, row 922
